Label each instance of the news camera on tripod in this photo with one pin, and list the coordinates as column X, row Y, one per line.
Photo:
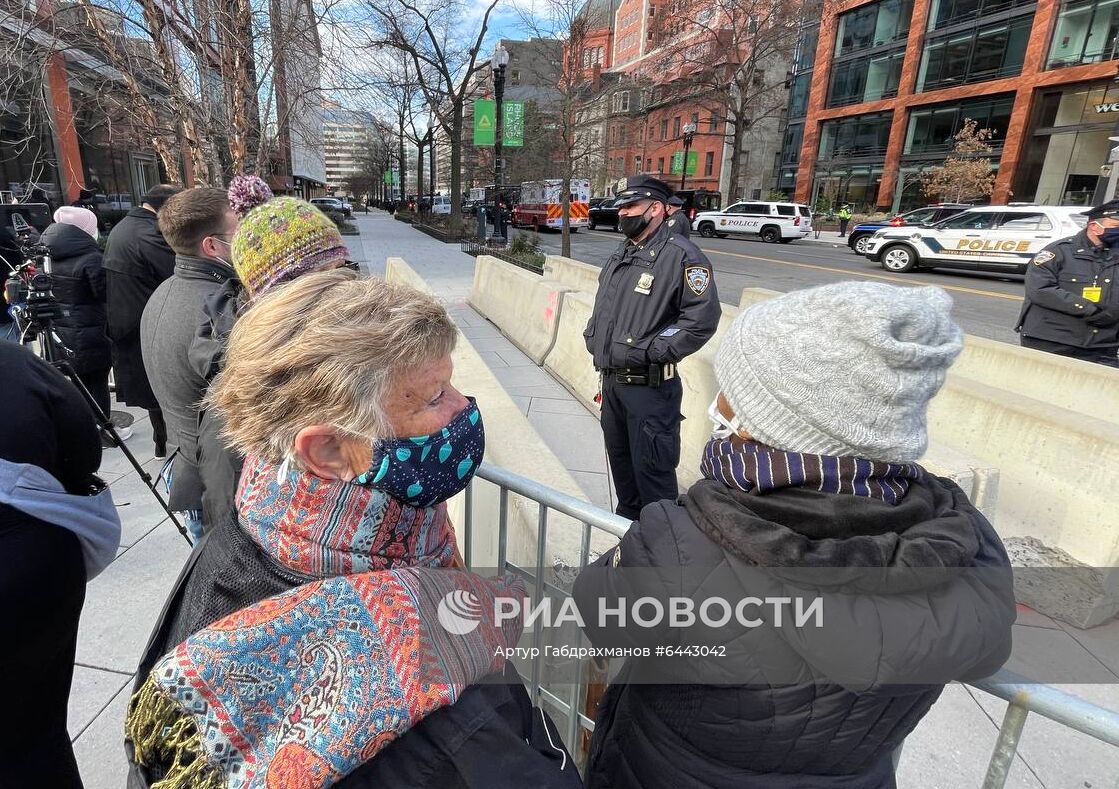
column 36, row 311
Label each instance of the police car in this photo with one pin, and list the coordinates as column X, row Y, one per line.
column 999, row 238
column 771, row 222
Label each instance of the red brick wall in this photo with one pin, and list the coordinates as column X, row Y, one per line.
column 1024, row 86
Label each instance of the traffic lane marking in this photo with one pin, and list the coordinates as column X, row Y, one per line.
column 903, row 280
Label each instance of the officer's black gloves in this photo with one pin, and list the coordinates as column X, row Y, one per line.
column 1105, row 316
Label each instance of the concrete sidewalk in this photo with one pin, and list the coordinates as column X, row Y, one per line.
column 949, row 750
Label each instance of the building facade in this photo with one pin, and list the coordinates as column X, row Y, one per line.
column 879, row 89
column 348, row 139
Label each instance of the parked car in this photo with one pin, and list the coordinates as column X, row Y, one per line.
column 604, row 215
column 929, row 215
column 597, row 201
column 989, row 238
column 697, row 201
column 332, row 204
column 771, row 222
column 441, row 204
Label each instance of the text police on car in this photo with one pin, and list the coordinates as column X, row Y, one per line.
column 656, row 304
column 1072, row 302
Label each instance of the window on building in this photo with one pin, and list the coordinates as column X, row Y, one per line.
column 709, row 163
column 636, row 165
column 649, row 36
column 943, row 13
column 695, row 119
column 652, row 10
column 990, row 52
column 867, row 78
column 805, row 55
column 676, row 127
column 621, row 101
column 798, row 94
column 660, row 164
column 664, row 129
column 856, row 136
column 873, row 25
column 931, row 129
column 649, row 164
column 1086, row 32
column 713, row 124
column 790, row 146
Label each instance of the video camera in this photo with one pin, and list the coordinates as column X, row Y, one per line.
column 29, row 292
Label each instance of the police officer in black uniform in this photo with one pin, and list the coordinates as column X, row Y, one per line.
column 678, row 218
column 1072, row 298
column 656, row 304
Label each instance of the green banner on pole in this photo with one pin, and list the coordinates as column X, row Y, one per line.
column 678, row 161
column 485, row 121
column 391, row 178
column 513, row 124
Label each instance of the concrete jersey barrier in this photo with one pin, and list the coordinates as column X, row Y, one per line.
column 523, row 305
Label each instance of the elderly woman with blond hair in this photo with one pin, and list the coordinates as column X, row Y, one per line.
column 301, row 647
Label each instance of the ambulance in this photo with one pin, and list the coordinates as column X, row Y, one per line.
column 1002, row 238
column 541, row 205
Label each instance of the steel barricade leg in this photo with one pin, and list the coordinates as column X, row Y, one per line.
column 1005, row 747
column 538, row 630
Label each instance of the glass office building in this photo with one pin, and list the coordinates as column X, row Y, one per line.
column 892, row 90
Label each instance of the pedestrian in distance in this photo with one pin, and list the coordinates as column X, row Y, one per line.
column 199, row 225
column 656, row 304
column 311, row 620
column 678, row 222
column 58, row 530
column 844, row 219
column 1072, row 296
column 137, row 260
column 810, row 494
column 79, row 285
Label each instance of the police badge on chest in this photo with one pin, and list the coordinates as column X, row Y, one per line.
column 644, row 284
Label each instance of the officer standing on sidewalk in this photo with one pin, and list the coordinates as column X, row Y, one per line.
column 1072, row 298
column 656, row 304
column 678, row 218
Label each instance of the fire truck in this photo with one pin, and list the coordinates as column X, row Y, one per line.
column 541, row 204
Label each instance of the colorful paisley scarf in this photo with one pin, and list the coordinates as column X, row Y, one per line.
column 323, row 527
column 300, row 689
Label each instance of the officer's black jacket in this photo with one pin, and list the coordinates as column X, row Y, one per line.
column 1055, row 309
column 680, row 312
column 679, row 224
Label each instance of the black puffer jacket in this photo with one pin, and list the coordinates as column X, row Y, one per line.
column 79, row 285
column 913, row 596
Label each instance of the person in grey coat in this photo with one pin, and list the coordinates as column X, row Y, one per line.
column 811, row 499
column 199, row 225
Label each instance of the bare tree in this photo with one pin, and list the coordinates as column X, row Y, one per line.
column 968, row 172
column 444, row 53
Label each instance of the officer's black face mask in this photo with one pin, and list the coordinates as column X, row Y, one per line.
column 1109, row 236
column 634, row 226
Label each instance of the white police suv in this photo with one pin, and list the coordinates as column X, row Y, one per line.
column 771, row 222
column 999, row 238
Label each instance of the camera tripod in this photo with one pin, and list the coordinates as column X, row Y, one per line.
column 39, row 321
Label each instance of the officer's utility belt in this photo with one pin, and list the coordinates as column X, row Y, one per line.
column 653, row 375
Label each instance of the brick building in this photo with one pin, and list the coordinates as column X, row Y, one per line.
column 880, row 88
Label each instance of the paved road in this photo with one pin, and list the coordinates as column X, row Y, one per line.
column 986, row 304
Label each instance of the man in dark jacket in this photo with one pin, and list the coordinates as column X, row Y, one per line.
column 678, row 221
column 656, row 304
column 137, row 259
column 199, row 225
column 1072, row 297
column 810, row 502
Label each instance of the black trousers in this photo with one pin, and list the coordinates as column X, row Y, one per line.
column 843, row 226
column 42, row 588
column 1105, row 356
column 641, row 425
column 97, row 382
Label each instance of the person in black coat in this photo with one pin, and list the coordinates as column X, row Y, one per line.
column 42, row 576
column 137, row 259
column 810, row 501
column 79, row 285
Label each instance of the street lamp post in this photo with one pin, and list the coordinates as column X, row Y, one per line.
column 689, row 132
column 499, row 62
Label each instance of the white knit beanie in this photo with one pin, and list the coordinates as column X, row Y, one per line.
column 845, row 369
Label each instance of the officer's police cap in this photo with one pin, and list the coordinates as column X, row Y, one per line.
column 643, row 187
column 1109, row 210
column 676, row 200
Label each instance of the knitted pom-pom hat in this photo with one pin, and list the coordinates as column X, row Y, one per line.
column 280, row 240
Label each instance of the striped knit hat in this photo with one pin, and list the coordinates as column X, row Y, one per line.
column 845, row 369
column 280, row 240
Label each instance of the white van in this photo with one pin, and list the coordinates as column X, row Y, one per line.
column 441, row 204
column 771, row 222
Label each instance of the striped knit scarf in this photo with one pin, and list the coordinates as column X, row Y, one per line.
column 323, row 527
column 753, row 467
column 300, row 689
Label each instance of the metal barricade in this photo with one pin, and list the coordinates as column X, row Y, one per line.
column 1023, row 697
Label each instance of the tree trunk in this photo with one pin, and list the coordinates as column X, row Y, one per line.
column 402, row 168
column 456, row 159
column 419, row 169
column 734, row 182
